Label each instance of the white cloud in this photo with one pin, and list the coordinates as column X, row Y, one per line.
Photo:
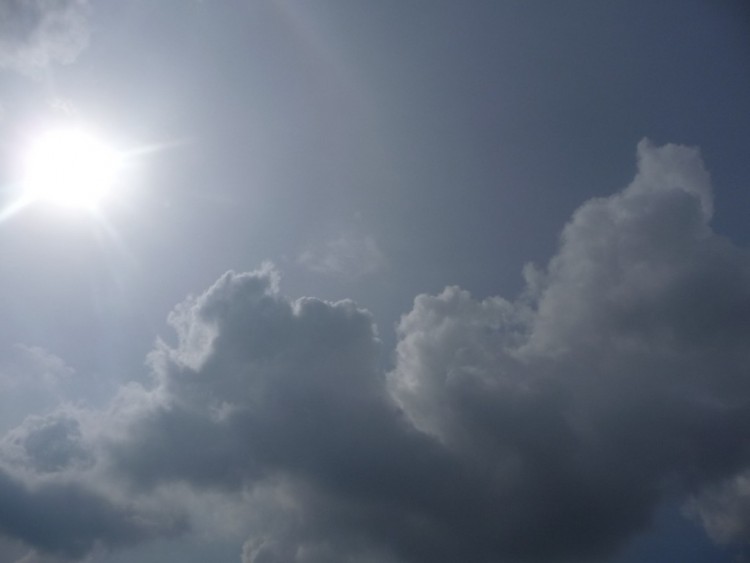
column 37, row 33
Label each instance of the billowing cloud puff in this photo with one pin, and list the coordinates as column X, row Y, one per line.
column 47, row 444
column 57, row 502
column 545, row 428
column 36, row 33
column 619, row 377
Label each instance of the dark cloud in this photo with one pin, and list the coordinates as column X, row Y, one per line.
column 618, row 379
column 68, row 520
column 263, row 383
column 36, row 33
column 546, row 428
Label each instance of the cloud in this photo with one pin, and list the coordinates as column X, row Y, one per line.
column 545, row 428
column 275, row 375
column 32, row 366
column 347, row 256
column 618, row 378
column 68, row 520
column 37, row 33
column 724, row 510
column 58, row 502
column 31, row 378
column 47, row 444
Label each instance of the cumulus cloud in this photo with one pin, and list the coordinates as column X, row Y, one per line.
column 47, row 444
column 544, row 428
column 37, row 33
column 348, row 256
column 69, row 520
column 620, row 375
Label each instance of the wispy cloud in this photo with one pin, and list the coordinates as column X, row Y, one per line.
column 37, row 33
column 724, row 509
column 347, row 256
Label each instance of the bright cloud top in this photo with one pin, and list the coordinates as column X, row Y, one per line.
column 544, row 428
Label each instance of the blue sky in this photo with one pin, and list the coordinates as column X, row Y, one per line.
column 377, row 281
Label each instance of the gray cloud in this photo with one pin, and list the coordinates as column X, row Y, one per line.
column 37, row 33
column 68, row 520
column 619, row 376
column 545, row 428
column 56, row 500
column 48, row 444
column 724, row 510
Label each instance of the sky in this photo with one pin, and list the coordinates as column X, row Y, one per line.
column 375, row 282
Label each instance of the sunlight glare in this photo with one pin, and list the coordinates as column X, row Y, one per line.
column 69, row 167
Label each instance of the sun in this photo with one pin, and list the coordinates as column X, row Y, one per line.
column 70, row 167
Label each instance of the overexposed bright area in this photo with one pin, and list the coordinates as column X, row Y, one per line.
column 68, row 166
